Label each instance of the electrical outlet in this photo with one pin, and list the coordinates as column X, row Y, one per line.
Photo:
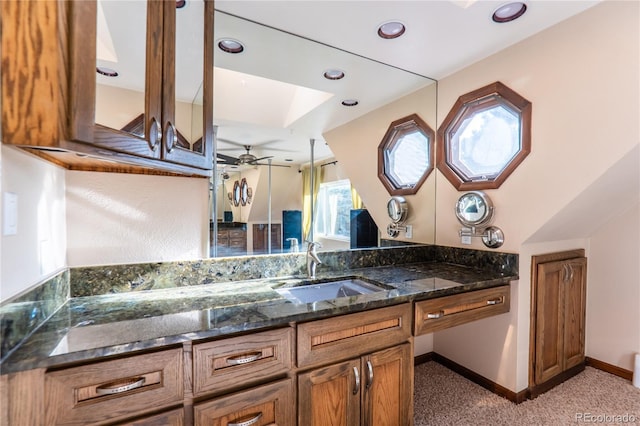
column 408, row 231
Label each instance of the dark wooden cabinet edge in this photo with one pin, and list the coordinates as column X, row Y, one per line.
column 528, row 393
column 98, row 159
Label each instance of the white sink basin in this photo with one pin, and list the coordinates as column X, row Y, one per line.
column 310, row 293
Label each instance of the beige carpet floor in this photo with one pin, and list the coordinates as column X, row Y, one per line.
column 443, row 397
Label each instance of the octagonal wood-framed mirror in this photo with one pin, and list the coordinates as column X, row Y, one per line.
column 405, row 155
column 484, row 138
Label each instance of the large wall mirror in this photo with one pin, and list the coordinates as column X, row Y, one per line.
column 273, row 93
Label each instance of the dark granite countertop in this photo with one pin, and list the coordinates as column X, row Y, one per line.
column 97, row 326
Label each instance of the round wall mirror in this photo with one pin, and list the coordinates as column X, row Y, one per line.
column 244, row 192
column 474, row 209
column 236, row 193
column 397, row 209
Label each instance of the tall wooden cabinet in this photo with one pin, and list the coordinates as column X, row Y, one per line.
column 558, row 305
column 49, row 89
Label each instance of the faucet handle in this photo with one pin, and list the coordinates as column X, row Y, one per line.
column 313, row 244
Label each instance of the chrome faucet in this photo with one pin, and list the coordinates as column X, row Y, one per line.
column 312, row 259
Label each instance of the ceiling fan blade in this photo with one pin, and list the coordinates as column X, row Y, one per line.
column 227, row 159
column 261, row 158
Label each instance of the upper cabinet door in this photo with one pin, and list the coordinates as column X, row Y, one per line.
column 143, row 110
column 187, row 91
column 121, row 112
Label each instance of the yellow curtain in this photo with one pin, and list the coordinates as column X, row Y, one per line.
column 356, row 201
column 306, row 197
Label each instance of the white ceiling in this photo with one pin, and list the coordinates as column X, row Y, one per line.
column 442, row 36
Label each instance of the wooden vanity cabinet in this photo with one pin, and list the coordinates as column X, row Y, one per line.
column 108, row 391
column 375, row 389
column 449, row 311
column 558, row 308
column 270, row 404
column 49, row 90
column 362, row 369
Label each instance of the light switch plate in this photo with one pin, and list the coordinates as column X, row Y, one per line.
column 465, row 239
column 10, row 213
column 408, row 233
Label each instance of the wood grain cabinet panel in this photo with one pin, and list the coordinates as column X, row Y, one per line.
column 375, row 389
column 49, row 90
column 271, row 404
column 169, row 418
column 239, row 362
column 336, row 338
column 107, row 391
column 449, row 311
column 558, row 315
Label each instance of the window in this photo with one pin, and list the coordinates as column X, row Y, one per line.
column 333, row 206
column 486, row 135
column 405, row 155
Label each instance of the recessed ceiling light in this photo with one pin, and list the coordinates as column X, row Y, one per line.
column 107, row 71
column 509, row 12
column 230, row 45
column 350, row 102
column 391, row 29
column 333, row 74
column 288, row 159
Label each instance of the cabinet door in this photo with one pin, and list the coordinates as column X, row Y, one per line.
column 549, row 333
column 330, row 395
column 272, row 404
column 102, row 106
column 575, row 285
column 388, row 387
column 187, row 91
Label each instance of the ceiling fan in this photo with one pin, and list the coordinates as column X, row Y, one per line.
column 246, row 159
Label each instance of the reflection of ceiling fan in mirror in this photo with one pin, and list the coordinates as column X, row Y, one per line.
column 246, row 159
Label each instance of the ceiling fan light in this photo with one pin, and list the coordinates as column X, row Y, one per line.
column 391, row 29
column 230, row 45
column 509, row 12
column 333, row 74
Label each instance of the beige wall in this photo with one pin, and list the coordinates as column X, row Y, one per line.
column 355, row 146
column 582, row 79
column 613, row 291
column 124, row 218
column 38, row 250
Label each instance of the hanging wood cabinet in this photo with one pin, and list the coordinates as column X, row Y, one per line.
column 558, row 305
column 49, row 90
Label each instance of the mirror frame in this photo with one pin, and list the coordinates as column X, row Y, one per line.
column 464, row 109
column 396, row 131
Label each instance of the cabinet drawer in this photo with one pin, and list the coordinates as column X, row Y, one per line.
column 106, row 391
column 242, row 361
column 169, row 418
column 444, row 312
column 338, row 338
column 272, row 404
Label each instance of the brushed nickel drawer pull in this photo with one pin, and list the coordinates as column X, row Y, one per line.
column 356, row 388
column 370, row 371
column 435, row 315
column 120, row 386
column 495, row 301
column 244, row 359
column 251, row 421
